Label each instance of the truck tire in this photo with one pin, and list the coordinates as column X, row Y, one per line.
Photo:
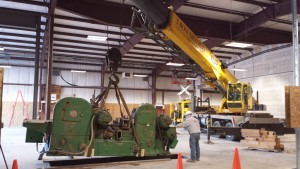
column 231, row 137
column 217, row 124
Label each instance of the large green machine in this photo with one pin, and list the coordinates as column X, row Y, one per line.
column 82, row 128
column 77, row 129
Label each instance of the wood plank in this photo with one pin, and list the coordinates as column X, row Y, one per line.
column 251, row 138
column 250, row 132
column 264, row 121
column 249, row 143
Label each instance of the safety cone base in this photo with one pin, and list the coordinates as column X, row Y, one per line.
column 179, row 161
column 236, row 160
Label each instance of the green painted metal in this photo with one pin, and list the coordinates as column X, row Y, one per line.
column 71, row 131
column 33, row 136
column 36, row 129
column 71, row 126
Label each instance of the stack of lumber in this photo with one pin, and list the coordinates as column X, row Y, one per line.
column 261, row 139
column 292, row 106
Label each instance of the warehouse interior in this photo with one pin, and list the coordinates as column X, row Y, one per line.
column 52, row 50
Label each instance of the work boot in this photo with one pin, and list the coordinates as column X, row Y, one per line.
column 41, row 156
column 197, row 159
column 190, row 160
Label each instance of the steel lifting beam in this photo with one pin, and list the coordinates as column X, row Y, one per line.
column 107, row 160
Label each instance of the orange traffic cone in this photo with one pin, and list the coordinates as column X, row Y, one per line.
column 179, row 161
column 236, row 160
column 15, row 164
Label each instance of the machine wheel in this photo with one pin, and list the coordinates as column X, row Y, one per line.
column 217, row 124
column 231, row 137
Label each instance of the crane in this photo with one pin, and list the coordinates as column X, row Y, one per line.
column 164, row 26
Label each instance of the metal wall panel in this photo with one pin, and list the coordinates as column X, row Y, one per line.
column 268, row 74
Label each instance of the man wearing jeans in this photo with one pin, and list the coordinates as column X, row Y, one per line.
column 193, row 127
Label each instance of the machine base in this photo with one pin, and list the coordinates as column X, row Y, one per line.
column 107, row 160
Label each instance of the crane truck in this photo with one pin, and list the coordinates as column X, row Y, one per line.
column 162, row 24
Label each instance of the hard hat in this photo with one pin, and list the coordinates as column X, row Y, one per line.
column 188, row 113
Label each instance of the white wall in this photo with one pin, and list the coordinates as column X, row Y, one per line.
column 268, row 74
column 18, row 75
column 25, row 75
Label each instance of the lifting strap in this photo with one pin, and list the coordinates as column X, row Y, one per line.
column 119, row 96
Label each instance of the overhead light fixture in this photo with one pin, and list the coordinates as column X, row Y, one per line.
column 5, row 66
column 239, row 45
column 139, row 75
column 191, row 78
column 1, row 48
column 239, row 69
column 174, row 64
column 78, row 71
column 96, row 38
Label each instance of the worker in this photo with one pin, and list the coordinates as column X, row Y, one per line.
column 193, row 127
column 234, row 93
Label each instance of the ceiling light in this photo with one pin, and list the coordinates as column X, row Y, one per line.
column 174, row 64
column 138, row 75
column 239, row 69
column 96, row 38
column 5, row 66
column 78, row 71
column 191, row 78
column 1, row 48
column 239, row 45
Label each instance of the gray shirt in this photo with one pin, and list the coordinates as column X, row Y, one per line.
column 192, row 125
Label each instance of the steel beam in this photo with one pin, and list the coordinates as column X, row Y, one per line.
column 230, row 47
column 50, row 33
column 85, row 36
column 204, row 27
column 213, row 42
column 36, row 68
column 17, row 18
column 153, row 85
column 176, row 4
column 91, row 29
column 272, row 12
column 217, row 9
column 100, row 11
column 296, row 69
column 226, row 52
column 252, row 2
column 31, row 2
column 130, row 43
column 49, row 69
column 223, row 57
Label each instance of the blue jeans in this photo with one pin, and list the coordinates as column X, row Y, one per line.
column 194, row 145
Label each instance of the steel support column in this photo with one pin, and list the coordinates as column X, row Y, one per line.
column 36, row 67
column 153, row 87
column 296, row 69
column 49, row 69
column 102, row 77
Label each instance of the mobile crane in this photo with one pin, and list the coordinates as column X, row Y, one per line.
column 178, row 110
column 167, row 29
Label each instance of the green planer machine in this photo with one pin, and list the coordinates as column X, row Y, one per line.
column 82, row 128
column 77, row 129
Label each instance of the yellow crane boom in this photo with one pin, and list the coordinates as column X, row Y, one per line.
column 237, row 95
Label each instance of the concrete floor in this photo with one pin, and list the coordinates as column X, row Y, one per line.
column 216, row 156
